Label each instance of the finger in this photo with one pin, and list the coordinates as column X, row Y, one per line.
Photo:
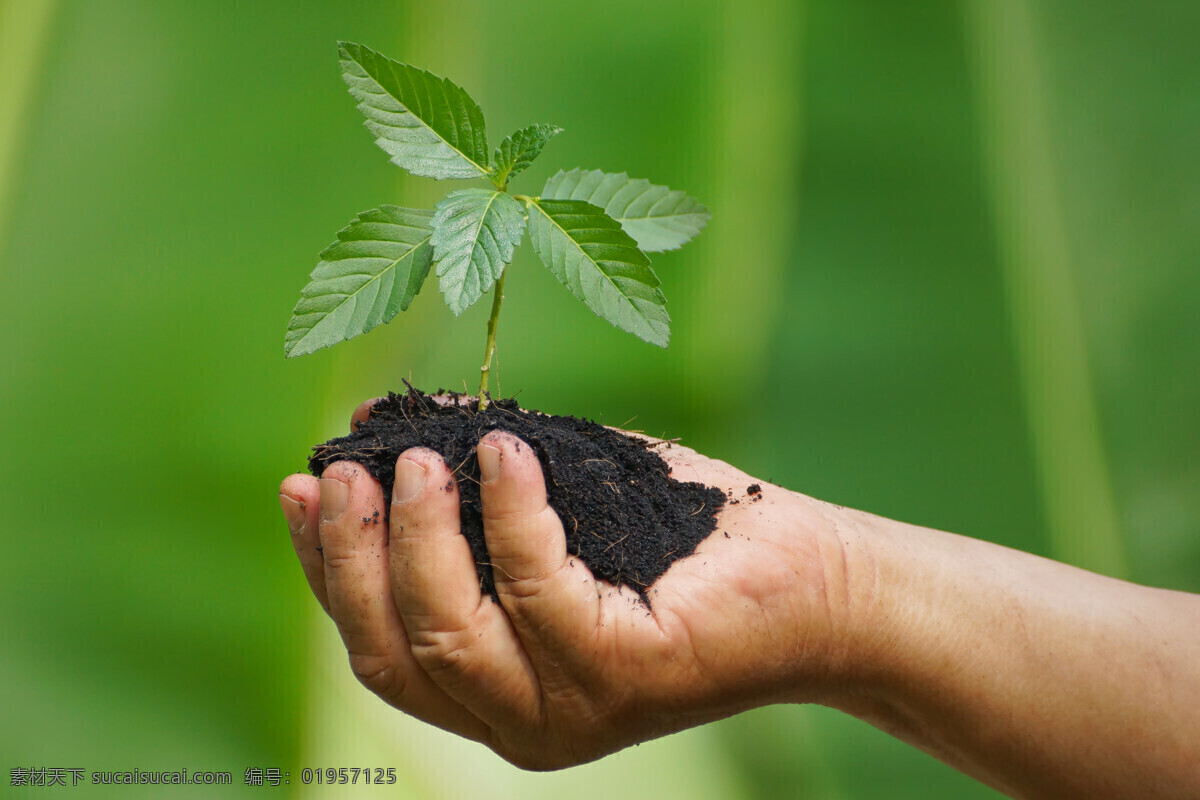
column 354, row 536
column 463, row 640
column 361, row 413
column 551, row 596
column 299, row 500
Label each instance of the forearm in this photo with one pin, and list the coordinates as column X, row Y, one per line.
column 1040, row 679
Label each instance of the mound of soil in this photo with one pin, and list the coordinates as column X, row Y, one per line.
column 623, row 513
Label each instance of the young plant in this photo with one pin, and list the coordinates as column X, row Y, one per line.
column 592, row 229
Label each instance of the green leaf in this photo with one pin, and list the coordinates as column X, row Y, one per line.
column 519, row 150
column 600, row 263
column 656, row 217
column 370, row 274
column 474, row 234
column 428, row 125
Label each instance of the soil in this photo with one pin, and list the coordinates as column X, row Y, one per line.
column 623, row 514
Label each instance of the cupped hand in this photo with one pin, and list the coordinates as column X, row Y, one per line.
column 565, row 668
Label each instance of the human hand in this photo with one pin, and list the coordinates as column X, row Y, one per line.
column 565, row 669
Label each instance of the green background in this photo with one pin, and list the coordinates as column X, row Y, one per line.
column 951, row 278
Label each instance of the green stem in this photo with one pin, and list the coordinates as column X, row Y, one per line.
column 497, row 299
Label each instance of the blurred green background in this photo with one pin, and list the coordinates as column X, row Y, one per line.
column 951, row 278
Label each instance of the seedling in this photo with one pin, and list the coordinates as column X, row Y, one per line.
column 592, row 229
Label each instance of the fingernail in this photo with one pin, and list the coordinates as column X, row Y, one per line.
column 335, row 496
column 489, row 463
column 294, row 513
column 410, row 480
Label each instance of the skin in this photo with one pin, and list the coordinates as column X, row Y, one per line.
column 1037, row 678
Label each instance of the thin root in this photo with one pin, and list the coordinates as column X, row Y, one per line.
column 614, row 544
column 494, row 565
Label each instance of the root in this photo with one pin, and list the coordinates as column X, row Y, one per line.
column 614, row 544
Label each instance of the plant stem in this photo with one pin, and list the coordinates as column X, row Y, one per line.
column 497, row 299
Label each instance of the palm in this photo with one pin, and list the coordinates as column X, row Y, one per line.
column 697, row 644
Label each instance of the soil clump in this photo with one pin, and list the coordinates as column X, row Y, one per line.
column 624, row 515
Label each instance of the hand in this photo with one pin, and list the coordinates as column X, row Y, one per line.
column 565, row 669
column 1038, row 678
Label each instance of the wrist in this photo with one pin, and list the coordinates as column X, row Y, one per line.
column 850, row 547
column 901, row 590
column 832, row 622
column 886, row 589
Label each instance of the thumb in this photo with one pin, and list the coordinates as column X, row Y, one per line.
column 549, row 594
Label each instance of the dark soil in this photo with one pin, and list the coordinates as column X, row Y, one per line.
column 624, row 515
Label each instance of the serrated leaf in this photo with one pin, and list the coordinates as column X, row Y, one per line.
column 518, row 151
column 655, row 216
column 474, row 234
column 370, row 274
column 428, row 125
column 590, row 254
